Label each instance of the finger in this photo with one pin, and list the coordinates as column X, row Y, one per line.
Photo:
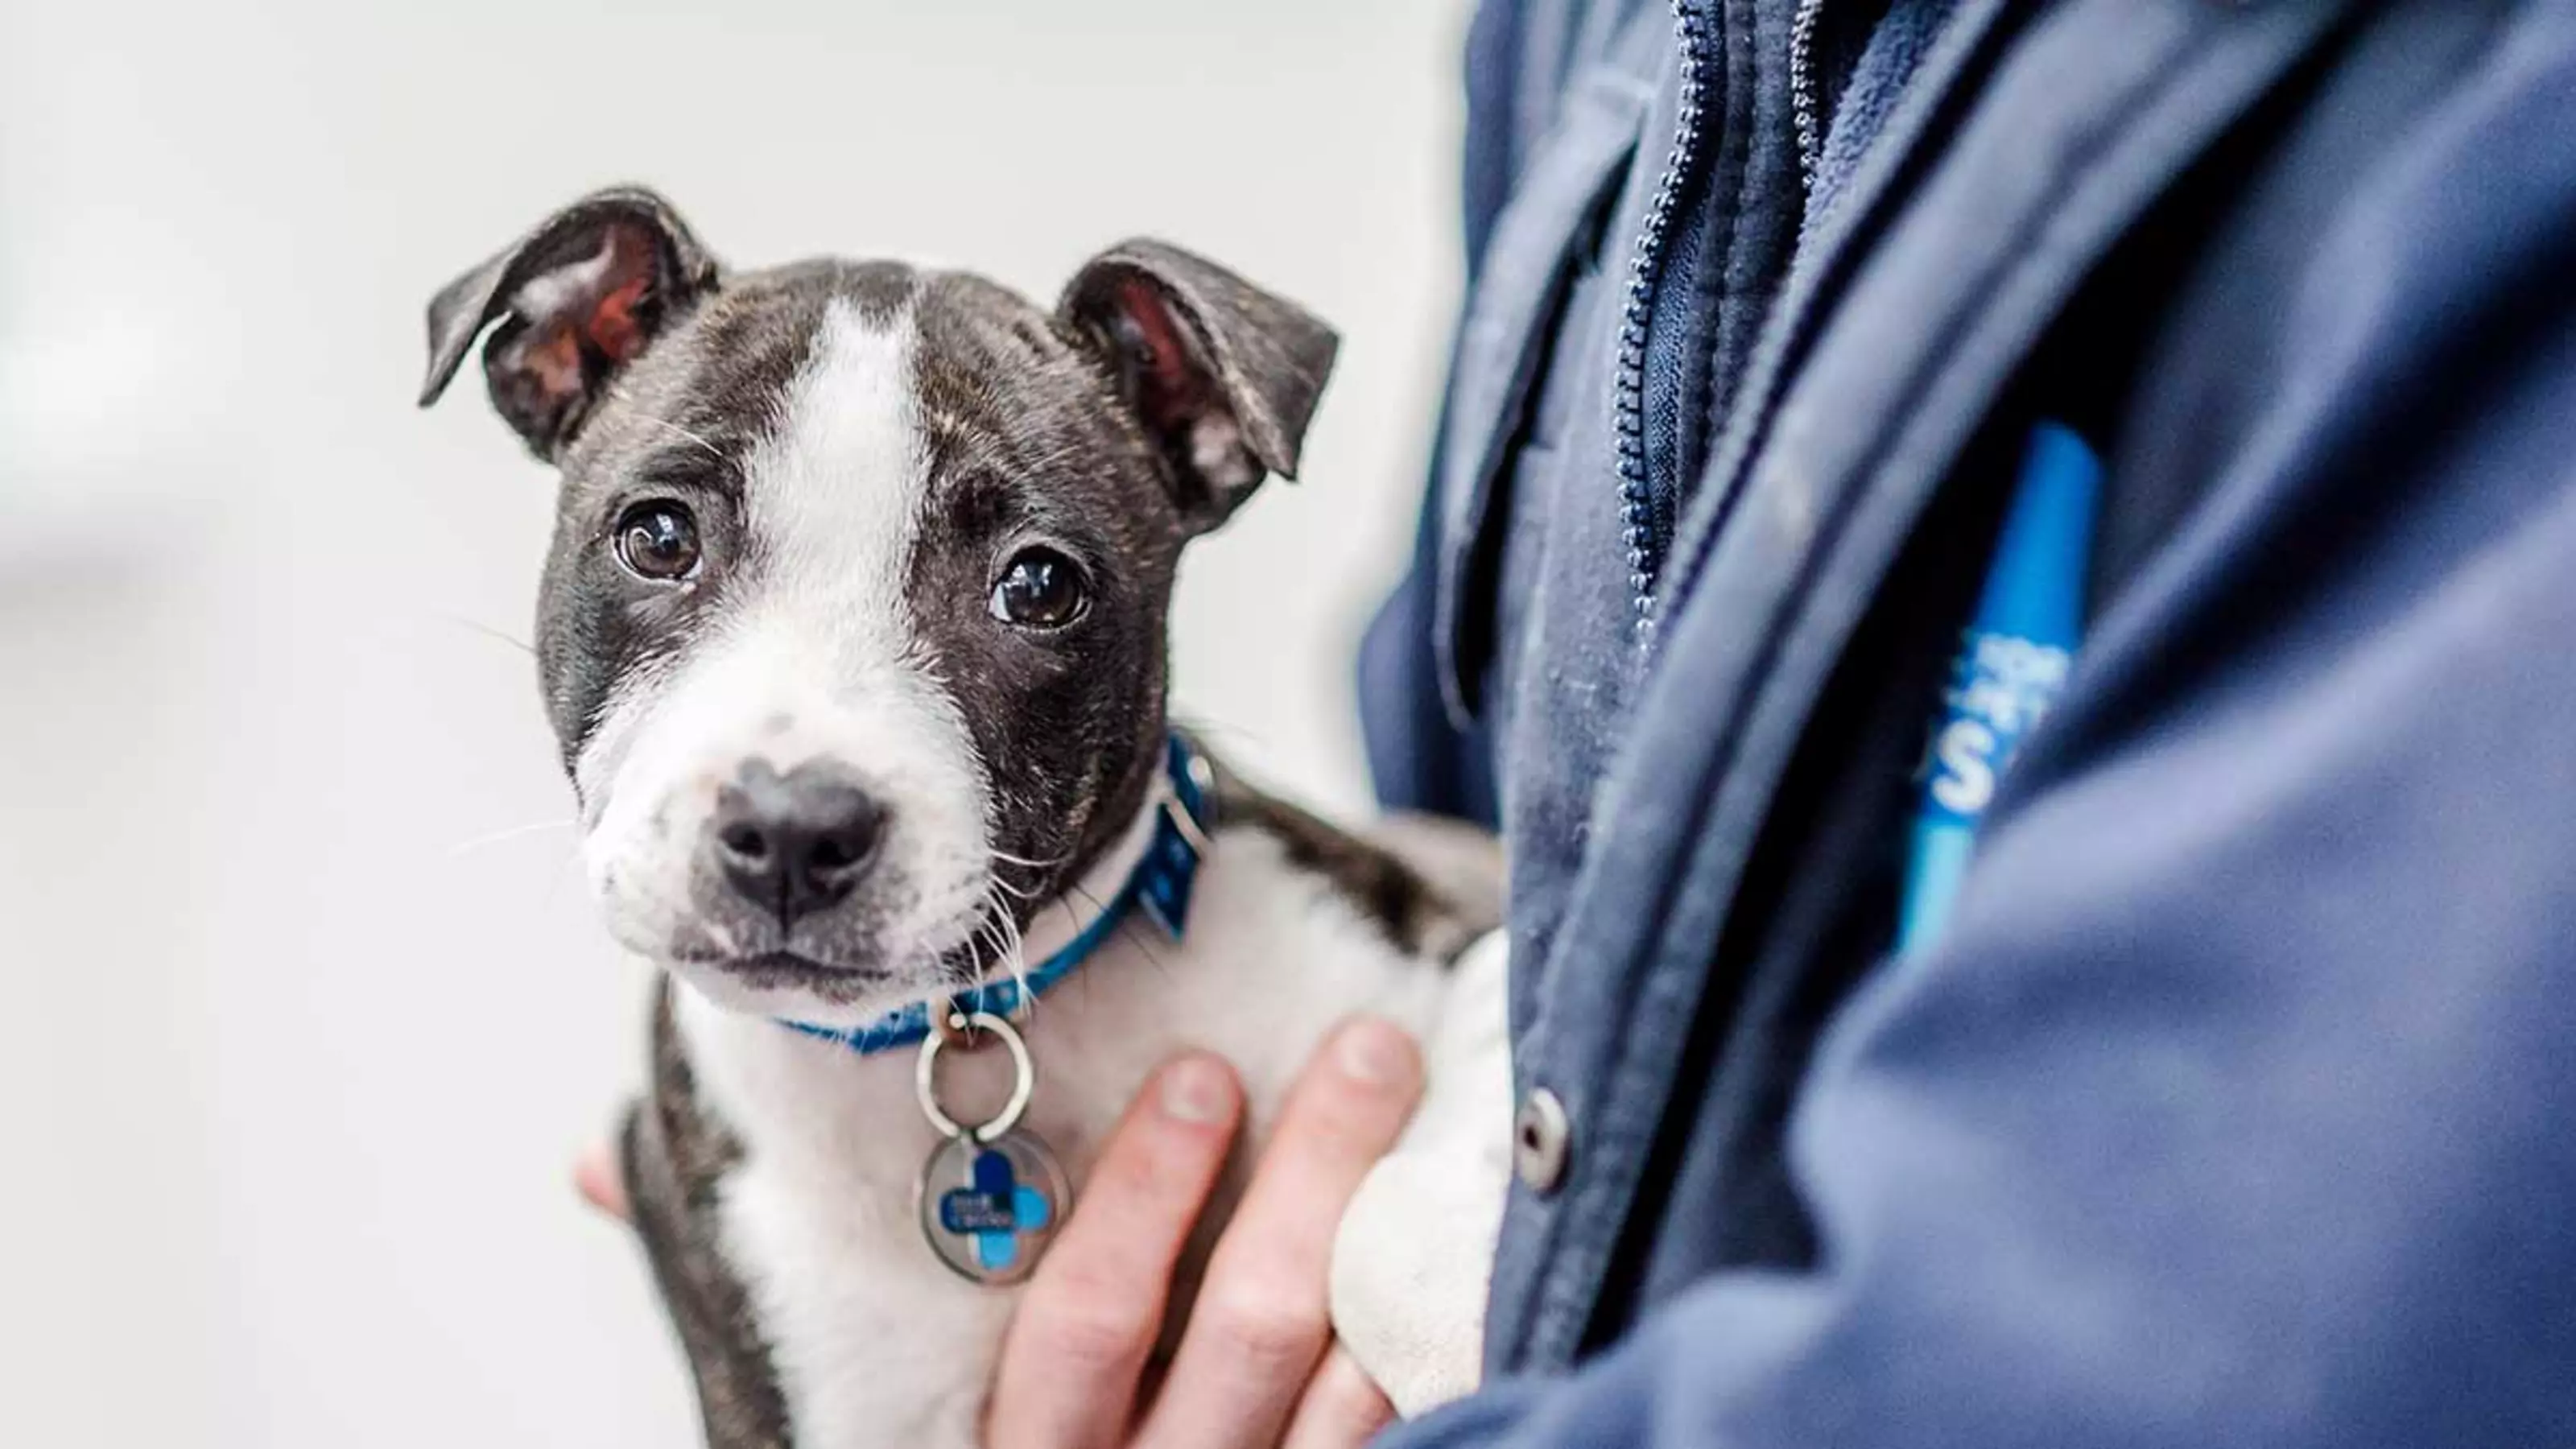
column 1260, row 1323
column 595, row 1176
column 1091, row 1314
column 1343, row 1407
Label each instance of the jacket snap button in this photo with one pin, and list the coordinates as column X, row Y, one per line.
column 1540, row 1136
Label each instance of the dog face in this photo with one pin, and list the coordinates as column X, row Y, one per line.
column 853, row 628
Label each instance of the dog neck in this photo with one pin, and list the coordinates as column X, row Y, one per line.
column 1054, row 924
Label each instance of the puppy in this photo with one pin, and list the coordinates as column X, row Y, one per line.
column 853, row 636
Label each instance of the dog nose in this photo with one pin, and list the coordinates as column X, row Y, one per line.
column 796, row 843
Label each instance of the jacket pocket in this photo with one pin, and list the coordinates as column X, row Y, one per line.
column 1536, row 252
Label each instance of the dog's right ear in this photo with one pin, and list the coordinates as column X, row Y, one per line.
column 583, row 295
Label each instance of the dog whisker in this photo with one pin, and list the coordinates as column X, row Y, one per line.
column 464, row 847
column 979, row 949
column 1015, row 892
column 1015, row 949
column 476, row 626
column 660, row 422
column 1006, row 925
column 1218, row 730
column 989, row 939
column 1144, row 943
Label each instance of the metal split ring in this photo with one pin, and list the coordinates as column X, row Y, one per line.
column 925, row 1074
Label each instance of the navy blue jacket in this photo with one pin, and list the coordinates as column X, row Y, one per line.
column 2238, row 1103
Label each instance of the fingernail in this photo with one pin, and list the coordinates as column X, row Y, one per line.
column 1375, row 1053
column 1195, row 1090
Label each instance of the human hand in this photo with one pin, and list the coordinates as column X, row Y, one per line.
column 1256, row 1365
column 595, row 1176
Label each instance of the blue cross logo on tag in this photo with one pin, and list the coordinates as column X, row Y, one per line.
column 995, row 1220
column 996, row 1210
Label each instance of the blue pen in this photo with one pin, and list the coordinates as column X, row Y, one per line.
column 2011, row 667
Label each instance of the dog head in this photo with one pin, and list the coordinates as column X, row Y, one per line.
column 853, row 628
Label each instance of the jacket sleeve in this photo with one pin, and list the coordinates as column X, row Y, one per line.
column 2235, row 1106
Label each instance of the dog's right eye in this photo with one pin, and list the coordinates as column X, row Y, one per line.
column 658, row 541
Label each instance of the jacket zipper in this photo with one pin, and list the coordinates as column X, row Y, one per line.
column 1645, row 270
column 1806, row 94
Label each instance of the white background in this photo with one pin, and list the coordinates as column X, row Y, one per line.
column 297, row 1037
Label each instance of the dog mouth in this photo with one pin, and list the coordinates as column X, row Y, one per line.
column 791, row 970
column 839, row 982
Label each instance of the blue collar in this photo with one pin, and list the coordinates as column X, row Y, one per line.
column 1159, row 883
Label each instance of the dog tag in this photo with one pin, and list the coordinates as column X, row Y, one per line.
column 990, row 1196
column 989, row 1208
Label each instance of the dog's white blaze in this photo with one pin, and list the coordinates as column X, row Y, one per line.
column 835, row 493
column 815, row 656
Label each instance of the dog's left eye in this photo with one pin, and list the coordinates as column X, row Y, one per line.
column 658, row 541
column 1040, row 589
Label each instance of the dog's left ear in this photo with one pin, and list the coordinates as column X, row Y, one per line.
column 580, row 296
column 1223, row 375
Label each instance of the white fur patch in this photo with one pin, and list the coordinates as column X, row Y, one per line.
column 1216, row 450
column 813, row 657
